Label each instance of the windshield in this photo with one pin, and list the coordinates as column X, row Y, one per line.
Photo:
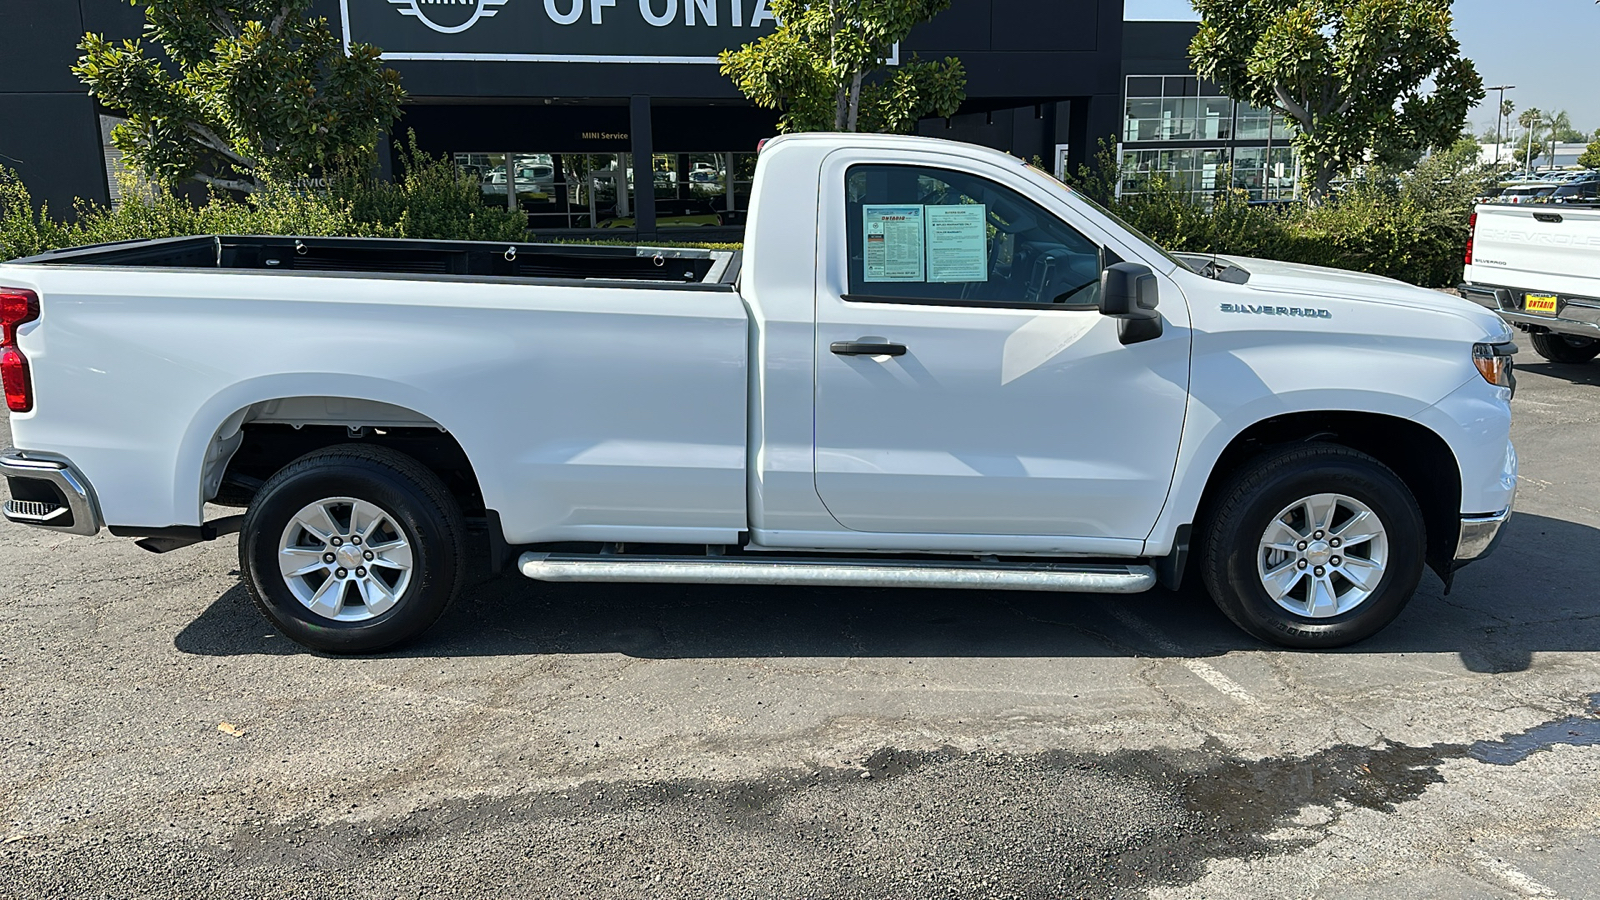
column 1129, row 229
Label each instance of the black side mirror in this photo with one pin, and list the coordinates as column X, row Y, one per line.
column 1128, row 293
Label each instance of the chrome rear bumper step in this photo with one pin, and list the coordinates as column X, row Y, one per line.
column 1089, row 578
column 34, row 512
column 59, row 497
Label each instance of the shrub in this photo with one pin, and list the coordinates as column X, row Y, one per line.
column 24, row 231
column 1410, row 226
column 430, row 199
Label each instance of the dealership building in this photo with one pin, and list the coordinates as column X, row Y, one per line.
column 564, row 108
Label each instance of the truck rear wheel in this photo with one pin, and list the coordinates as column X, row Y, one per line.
column 1565, row 348
column 352, row 549
column 1313, row 546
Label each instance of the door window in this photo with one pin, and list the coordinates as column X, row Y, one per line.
column 919, row 234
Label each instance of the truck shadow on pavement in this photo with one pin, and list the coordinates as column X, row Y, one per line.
column 1587, row 374
column 1536, row 594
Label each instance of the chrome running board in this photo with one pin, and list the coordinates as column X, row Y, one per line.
column 1088, row 578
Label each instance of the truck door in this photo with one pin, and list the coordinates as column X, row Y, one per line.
column 966, row 382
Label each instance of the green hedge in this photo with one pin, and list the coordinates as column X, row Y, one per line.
column 1411, row 226
column 431, row 199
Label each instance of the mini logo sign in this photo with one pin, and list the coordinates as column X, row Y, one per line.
column 561, row 31
column 449, row 16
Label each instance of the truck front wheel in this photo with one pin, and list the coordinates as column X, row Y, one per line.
column 1565, row 348
column 1313, row 546
column 352, row 549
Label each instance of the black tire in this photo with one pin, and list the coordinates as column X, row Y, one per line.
column 1565, row 348
column 421, row 511
column 1247, row 503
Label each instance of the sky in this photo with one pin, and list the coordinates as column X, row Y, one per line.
column 1502, row 39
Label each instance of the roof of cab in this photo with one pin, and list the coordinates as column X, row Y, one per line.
column 898, row 141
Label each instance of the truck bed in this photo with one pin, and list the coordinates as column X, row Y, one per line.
column 379, row 257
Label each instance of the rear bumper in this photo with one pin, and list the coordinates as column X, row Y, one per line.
column 1577, row 316
column 47, row 492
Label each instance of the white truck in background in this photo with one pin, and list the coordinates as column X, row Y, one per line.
column 1539, row 268
column 931, row 366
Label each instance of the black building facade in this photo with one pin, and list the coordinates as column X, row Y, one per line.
column 564, row 107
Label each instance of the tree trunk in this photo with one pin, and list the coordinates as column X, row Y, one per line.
column 855, row 101
column 228, row 184
column 1321, row 183
column 841, row 98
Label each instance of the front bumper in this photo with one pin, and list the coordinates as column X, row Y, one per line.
column 1480, row 535
column 47, row 492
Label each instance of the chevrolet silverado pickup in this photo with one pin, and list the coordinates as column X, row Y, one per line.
column 930, row 366
column 1537, row 267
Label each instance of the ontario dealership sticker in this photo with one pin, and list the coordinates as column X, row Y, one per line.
column 1276, row 311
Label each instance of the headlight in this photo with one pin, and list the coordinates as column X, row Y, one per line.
column 1494, row 363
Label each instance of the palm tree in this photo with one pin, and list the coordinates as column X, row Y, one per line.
column 1530, row 119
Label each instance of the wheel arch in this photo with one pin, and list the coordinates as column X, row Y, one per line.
column 1418, row 455
column 252, row 431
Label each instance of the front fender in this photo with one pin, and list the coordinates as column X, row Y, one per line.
column 1243, row 378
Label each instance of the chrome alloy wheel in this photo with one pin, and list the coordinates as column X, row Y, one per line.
column 1323, row 556
column 345, row 559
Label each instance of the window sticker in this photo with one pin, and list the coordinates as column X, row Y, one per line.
column 894, row 238
column 957, row 245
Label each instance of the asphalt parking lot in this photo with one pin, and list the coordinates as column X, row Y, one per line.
column 157, row 739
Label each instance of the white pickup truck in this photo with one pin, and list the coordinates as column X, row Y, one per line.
column 931, row 366
column 1539, row 267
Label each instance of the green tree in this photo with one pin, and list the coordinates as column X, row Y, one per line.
column 1529, row 147
column 1590, row 158
column 1561, row 128
column 1360, row 79
column 243, row 91
column 826, row 68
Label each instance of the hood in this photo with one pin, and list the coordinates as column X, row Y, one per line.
column 1295, row 279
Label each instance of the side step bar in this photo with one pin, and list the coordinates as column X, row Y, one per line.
column 1089, row 578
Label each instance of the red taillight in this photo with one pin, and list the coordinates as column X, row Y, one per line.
column 17, row 307
column 19, row 386
column 1472, row 232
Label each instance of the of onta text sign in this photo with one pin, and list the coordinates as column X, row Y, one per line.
column 664, row 31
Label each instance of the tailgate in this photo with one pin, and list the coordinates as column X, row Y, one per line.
column 1541, row 248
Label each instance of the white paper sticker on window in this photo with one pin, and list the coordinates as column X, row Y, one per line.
column 957, row 249
column 894, row 242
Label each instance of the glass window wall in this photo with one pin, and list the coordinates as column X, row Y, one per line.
column 562, row 191
column 1163, row 108
column 1167, row 108
column 1260, row 173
